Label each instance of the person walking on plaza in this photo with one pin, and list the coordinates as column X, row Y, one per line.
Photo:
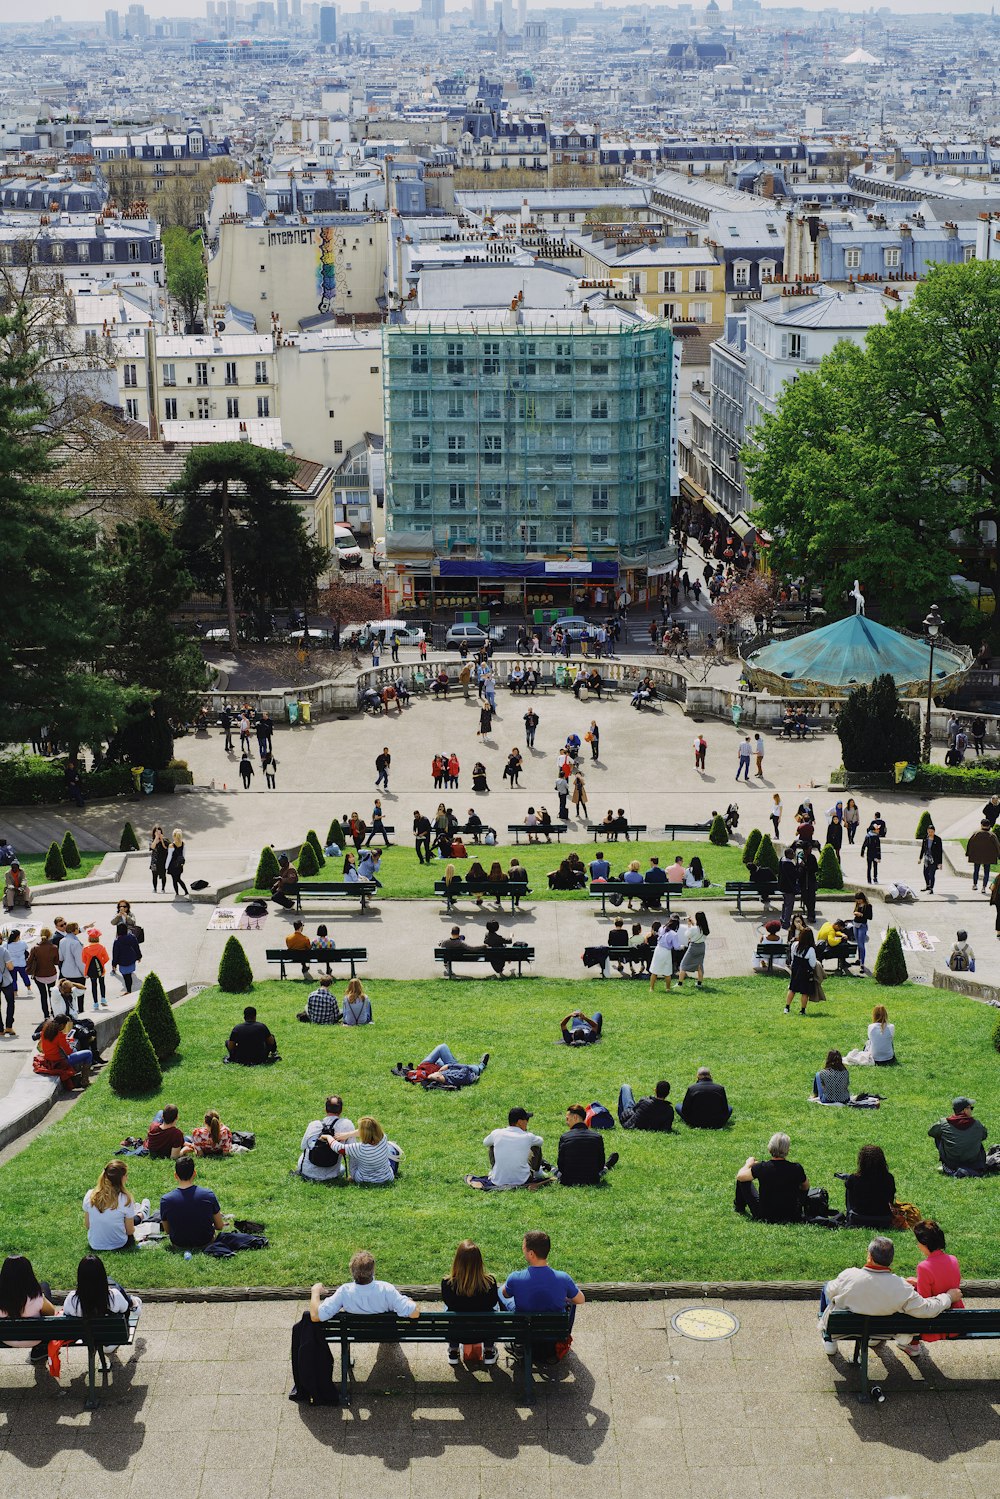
column 422, row 837
column 562, row 792
column 175, row 862
column 246, row 770
column 700, row 751
column 871, row 847
column 382, row 763
column 226, row 719
column 931, row 857
column 758, row 756
column 593, row 736
column 530, row 725
column 743, row 760
column 982, row 852
column 775, row 814
column 158, row 850
column 579, row 796
column 269, row 766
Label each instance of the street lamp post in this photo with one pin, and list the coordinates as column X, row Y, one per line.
column 932, row 628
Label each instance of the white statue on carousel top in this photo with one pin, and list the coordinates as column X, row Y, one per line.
column 858, row 597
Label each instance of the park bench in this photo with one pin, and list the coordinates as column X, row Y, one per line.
column 544, row 684
column 525, row 1330
column 811, row 728
column 518, row 952
column 556, row 828
column 321, row 956
column 656, row 703
column 508, row 889
column 600, row 829
column 634, row 891
column 362, row 890
column 635, row 958
column 744, row 890
column 93, row 1333
column 957, row 1323
column 774, row 951
column 842, row 953
column 477, row 834
column 673, row 828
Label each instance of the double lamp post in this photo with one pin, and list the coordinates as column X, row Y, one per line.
column 932, row 629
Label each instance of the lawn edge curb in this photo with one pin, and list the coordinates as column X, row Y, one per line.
column 667, row 1290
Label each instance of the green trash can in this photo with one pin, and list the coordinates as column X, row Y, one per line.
column 293, row 713
column 147, row 782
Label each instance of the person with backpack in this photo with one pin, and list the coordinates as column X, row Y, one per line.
column 962, row 959
column 318, row 1161
column 95, row 963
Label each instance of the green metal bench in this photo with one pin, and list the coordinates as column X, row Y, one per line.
column 94, row 1333
column 956, row 1323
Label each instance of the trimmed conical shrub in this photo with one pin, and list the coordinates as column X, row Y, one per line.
column 751, row 846
column 157, row 1016
column 767, row 856
column 923, row 823
column 134, row 1069
column 317, row 848
column 129, row 843
column 55, row 869
column 235, row 973
column 69, row 851
column 335, row 835
column 831, row 875
column 718, row 833
column 267, row 869
column 890, row 965
column 306, row 863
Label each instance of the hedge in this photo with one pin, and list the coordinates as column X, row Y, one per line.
column 70, row 852
column 317, row 848
column 55, row 868
column 890, row 965
column 958, row 780
column 134, row 1069
column 235, row 973
column 267, row 869
column 308, row 865
column 767, row 856
column 830, row 875
column 750, row 847
column 157, row 1016
column 128, row 843
column 335, row 834
column 31, row 781
column 923, row 823
column 718, row 833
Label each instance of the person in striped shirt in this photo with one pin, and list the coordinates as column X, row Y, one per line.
column 373, row 1159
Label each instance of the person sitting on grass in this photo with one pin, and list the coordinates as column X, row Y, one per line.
column 165, row 1140
column 213, row 1137
column 705, row 1104
column 832, row 1084
column 774, row 1190
column 109, row 1211
column 320, row 1161
column 321, row 1006
column 372, row 1158
column 959, row 1140
column 564, row 877
column 874, row 1291
column 362, row 1295
column 442, row 1069
column 870, row 1190
column 251, row 1044
column 357, row 1005
column 581, row 1162
column 655, row 1113
column 579, row 1029
column 515, row 1156
column 189, row 1215
column 469, row 1289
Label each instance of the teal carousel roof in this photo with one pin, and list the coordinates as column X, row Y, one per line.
column 852, row 652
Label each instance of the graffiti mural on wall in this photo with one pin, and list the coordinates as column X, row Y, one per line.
column 326, row 270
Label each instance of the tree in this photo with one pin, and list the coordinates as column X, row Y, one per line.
column 830, row 875
column 875, row 731
column 872, row 460
column 55, row 868
column 267, row 869
column 70, row 852
column 750, row 847
column 335, row 834
column 184, row 262
column 718, row 833
column 235, row 973
column 128, row 843
column 156, row 1013
column 317, row 848
column 134, row 1070
column 923, row 823
column 147, row 580
column 52, row 672
column 240, row 531
column 767, row 857
column 306, row 863
column 890, row 965
column 750, row 597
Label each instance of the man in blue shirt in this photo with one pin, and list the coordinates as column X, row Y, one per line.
column 600, row 869
column 539, row 1288
column 189, row 1214
column 656, row 877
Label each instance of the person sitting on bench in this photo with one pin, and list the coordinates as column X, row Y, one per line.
column 831, row 936
column 763, row 880
column 581, row 1162
column 251, row 1044
column 705, row 1103
column 579, row 1029
column 959, row 1140
column 442, row 1069
column 775, row 1190
column 874, row 1291
column 297, row 941
column 474, row 824
column 769, row 935
column 655, row 1113
column 539, row 1288
column 362, row 1295
column 495, row 940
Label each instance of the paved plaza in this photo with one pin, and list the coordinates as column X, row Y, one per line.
column 200, row 1406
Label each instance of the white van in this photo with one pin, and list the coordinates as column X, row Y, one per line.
column 385, row 630
column 346, row 547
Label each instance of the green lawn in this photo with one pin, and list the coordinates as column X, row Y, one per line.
column 405, row 879
column 667, row 1211
column 34, row 868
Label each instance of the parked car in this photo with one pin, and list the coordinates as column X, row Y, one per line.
column 575, row 626
column 378, row 551
column 385, row 629
column 317, row 636
column 474, row 636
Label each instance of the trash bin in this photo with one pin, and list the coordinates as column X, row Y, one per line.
column 136, row 773
column 305, row 710
column 293, row 713
column 147, row 782
column 905, row 774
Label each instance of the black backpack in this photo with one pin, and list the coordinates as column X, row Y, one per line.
column 321, row 1154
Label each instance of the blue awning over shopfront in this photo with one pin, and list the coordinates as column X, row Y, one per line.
column 476, row 567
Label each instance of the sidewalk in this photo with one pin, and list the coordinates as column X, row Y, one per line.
column 200, row 1409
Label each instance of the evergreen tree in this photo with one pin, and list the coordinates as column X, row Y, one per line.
column 336, row 834
column 923, row 823
column 718, row 833
column 750, row 847
column 157, row 1016
column 235, row 973
column 134, row 1070
column 129, row 843
column 830, row 874
column 267, row 869
column 317, row 848
column 70, row 852
column 306, row 863
column 890, row 965
column 875, row 731
column 767, row 857
column 55, row 869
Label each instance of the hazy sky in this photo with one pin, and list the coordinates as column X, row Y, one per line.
column 83, row 10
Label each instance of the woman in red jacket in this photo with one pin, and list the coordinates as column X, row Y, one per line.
column 56, row 1057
